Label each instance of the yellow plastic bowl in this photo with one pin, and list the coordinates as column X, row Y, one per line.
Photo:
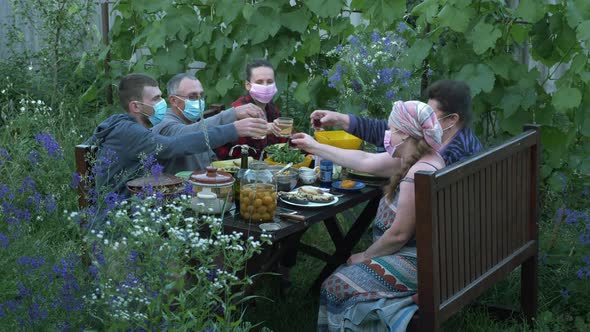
column 339, row 139
column 305, row 163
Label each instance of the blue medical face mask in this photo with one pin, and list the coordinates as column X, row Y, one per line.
column 159, row 111
column 193, row 109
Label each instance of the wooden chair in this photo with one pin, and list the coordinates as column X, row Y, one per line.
column 476, row 221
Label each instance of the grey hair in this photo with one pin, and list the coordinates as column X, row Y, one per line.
column 174, row 82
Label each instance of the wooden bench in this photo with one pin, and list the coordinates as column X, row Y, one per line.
column 85, row 153
column 476, row 221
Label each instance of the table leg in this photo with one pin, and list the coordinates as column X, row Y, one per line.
column 345, row 243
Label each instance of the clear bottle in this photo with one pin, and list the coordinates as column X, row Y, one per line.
column 258, row 194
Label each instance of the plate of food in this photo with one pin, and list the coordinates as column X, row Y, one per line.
column 308, row 196
column 230, row 165
column 348, row 185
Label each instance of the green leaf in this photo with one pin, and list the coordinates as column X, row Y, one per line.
column 296, row 20
column 90, row 94
column 584, row 114
column 530, row 10
column 566, row 98
column 157, row 35
column 565, row 37
column 480, row 77
column 583, row 31
column 502, row 64
column 578, row 63
column 219, row 46
column 310, row 45
column 228, row 9
column 510, row 102
column 483, row 36
column 386, row 12
column 460, row 3
column 428, row 9
column 542, row 44
column 247, row 11
column 519, row 32
column 223, row 85
column 577, row 11
column 150, row 6
column 454, row 18
column 266, row 22
column 169, row 60
column 418, row 52
column 301, row 93
column 204, row 35
column 514, row 123
column 324, row 8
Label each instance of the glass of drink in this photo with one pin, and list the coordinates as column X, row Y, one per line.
column 292, row 145
column 286, row 126
column 317, row 124
column 263, row 136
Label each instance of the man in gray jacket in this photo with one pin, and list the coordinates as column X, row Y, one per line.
column 187, row 101
column 124, row 140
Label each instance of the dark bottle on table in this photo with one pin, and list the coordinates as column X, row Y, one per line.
column 326, row 167
column 240, row 173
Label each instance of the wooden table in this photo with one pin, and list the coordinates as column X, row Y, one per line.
column 293, row 230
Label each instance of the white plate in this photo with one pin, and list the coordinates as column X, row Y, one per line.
column 312, row 204
column 270, row 226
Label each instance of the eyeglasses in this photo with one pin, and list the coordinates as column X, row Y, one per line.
column 193, row 96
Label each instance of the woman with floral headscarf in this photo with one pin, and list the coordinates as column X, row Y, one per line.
column 388, row 268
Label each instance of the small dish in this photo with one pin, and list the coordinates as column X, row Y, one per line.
column 270, row 226
column 357, row 186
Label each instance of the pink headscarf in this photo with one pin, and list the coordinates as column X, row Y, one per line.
column 417, row 119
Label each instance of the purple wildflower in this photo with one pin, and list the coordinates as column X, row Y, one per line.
column 188, row 189
column 565, row 293
column 157, row 170
column 4, row 241
column 401, row 27
column 4, row 155
column 36, row 313
column 50, row 203
column 325, row 73
column 390, row 94
column 93, row 271
column 50, row 144
column 33, row 157
column 28, row 184
column 112, row 199
column 375, row 37
column 339, row 48
column 585, row 239
column 31, row 262
column 76, row 178
column 5, row 192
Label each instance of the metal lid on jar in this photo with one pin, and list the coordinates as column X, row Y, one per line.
column 211, row 177
column 258, row 165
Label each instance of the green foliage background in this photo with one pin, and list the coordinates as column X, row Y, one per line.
column 475, row 41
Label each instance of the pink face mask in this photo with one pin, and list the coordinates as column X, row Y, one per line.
column 387, row 143
column 263, row 93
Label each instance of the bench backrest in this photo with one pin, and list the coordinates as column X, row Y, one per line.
column 475, row 222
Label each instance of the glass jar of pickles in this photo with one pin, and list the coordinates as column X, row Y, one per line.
column 258, row 194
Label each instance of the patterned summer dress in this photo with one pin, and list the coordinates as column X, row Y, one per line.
column 387, row 277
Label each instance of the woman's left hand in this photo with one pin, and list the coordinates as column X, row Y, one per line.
column 356, row 258
column 304, row 142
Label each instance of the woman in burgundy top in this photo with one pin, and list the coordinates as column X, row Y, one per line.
column 260, row 83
